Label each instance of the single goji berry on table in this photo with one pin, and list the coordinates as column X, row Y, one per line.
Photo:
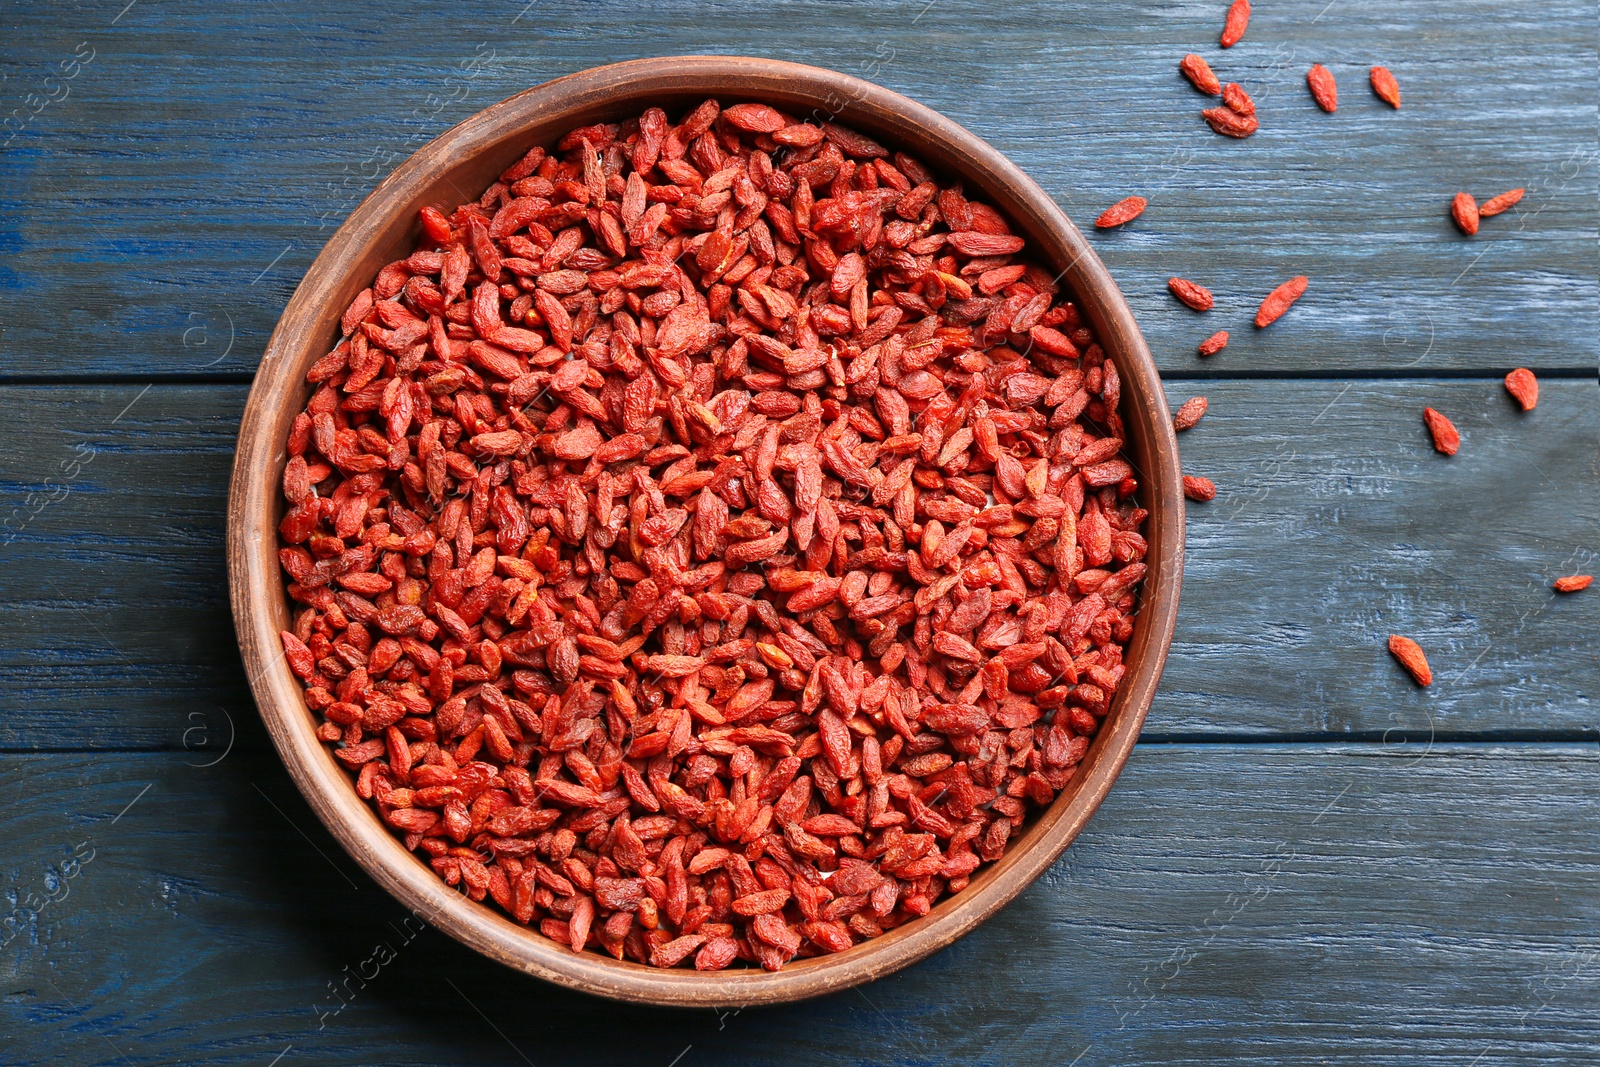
column 1324, row 90
column 1198, row 71
column 1214, row 344
column 1522, row 385
column 1234, row 25
column 1446, row 438
column 1123, row 211
column 1189, row 413
column 1464, row 210
column 1196, row 296
column 1497, row 204
column 1385, row 86
column 1411, row 657
column 1280, row 300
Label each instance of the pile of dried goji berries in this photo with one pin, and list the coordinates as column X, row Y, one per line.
column 712, row 542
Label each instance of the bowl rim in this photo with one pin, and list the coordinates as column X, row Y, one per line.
column 256, row 587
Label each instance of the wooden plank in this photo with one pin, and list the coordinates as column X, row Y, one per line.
column 116, row 602
column 161, row 213
column 1335, row 524
column 1258, row 903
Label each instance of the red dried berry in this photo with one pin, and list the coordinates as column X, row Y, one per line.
column 1521, row 384
column 1214, row 344
column 1229, row 123
column 1196, row 296
column 1496, row 204
column 973, row 243
column 1572, row 583
column 1238, row 19
column 1324, row 90
column 754, row 118
column 1385, row 86
column 1198, row 488
column 1123, row 211
column 1445, row 437
column 1198, row 71
column 1237, row 100
column 1280, row 300
column 1410, row 655
column 298, row 656
column 1464, row 210
column 1189, row 413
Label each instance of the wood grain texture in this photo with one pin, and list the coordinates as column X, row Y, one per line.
column 114, row 495
column 1335, row 525
column 1358, row 904
column 162, row 212
column 1436, row 911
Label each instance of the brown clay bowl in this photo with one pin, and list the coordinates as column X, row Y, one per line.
column 457, row 166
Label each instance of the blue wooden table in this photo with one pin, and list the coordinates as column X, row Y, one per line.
column 1308, row 859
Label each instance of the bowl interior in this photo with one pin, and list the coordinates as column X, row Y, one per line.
column 456, row 167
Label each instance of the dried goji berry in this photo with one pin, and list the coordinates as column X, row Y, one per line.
column 1384, row 84
column 1497, row 204
column 1196, row 296
column 1234, row 26
column 1196, row 487
column 1230, row 123
column 1445, row 437
column 1464, row 210
column 1237, row 100
column 1189, row 413
column 1522, row 385
column 1198, row 71
column 1214, row 344
column 1123, row 211
column 1280, row 300
column 1324, row 90
column 1410, row 655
